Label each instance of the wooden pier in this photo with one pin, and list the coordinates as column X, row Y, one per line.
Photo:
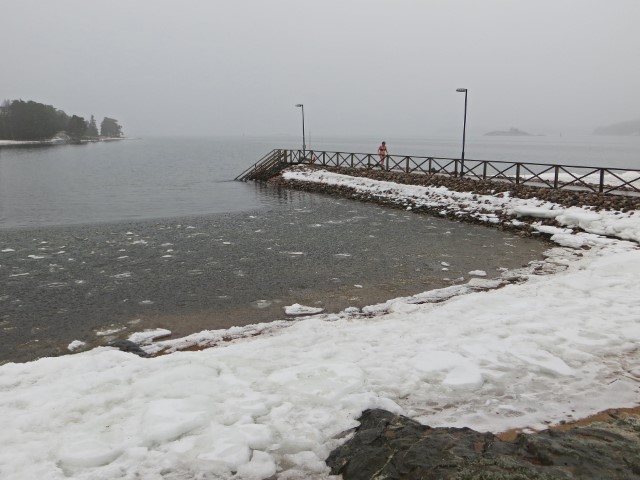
column 602, row 180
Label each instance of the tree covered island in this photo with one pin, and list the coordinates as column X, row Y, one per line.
column 512, row 132
column 631, row 127
column 33, row 121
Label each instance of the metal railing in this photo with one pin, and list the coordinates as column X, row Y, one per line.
column 266, row 167
column 571, row 177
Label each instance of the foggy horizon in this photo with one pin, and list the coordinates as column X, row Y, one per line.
column 361, row 68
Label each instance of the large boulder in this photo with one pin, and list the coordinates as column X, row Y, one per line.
column 388, row 446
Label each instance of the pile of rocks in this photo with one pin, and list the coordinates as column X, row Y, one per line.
column 566, row 198
column 388, row 446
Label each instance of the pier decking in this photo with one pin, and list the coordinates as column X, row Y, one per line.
column 604, row 180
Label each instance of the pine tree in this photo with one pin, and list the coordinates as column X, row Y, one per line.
column 110, row 128
column 92, row 128
column 76, row 128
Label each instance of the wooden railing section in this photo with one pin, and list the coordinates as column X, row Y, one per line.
column 266, row 167
column 571, row 177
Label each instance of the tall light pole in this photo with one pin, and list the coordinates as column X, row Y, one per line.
column 464, row 127
column 304, row 144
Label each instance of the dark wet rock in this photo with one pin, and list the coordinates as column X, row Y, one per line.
column 483, row 187
column 129, row 347
column 388, row 446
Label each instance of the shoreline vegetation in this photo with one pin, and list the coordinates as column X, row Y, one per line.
column 29, row 121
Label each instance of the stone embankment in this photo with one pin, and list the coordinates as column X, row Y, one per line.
column 564, row 198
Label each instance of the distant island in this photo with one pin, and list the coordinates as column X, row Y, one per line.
column 33, row 121
column 512, row 132
column 631, row 128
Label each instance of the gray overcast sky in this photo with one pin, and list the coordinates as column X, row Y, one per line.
column 361, row 67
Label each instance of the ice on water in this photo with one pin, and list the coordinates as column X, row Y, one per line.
column 297, row 309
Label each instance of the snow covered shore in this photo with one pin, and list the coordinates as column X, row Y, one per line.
column 53, row 141
column 551, row 348
column 9, row 143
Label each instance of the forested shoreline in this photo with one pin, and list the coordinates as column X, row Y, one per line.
column 32, row 121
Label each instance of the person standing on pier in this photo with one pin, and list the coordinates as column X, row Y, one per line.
column 383, row 153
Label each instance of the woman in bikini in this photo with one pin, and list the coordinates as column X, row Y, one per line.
column 382, row 152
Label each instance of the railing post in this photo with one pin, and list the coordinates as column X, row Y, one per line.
column 517, row 173
column 368, row 162
column 461, row 167
column 556, row 176
column 407, row 166
column 455, row 168
column 601, row 186
column 386, row 162
column 430, row 165
column 352, row 160
column 484, row 170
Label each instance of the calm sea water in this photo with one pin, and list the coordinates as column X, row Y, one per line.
column 160, row 178
column 152, row 233
column 125, row 180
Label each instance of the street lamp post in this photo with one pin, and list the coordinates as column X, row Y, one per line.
column 304, row 144
column 464, row 127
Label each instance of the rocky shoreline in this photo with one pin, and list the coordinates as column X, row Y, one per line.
column 390, row 447
column 564, row 198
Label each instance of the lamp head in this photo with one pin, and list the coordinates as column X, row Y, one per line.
column 299, row 105
column 462, row 90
